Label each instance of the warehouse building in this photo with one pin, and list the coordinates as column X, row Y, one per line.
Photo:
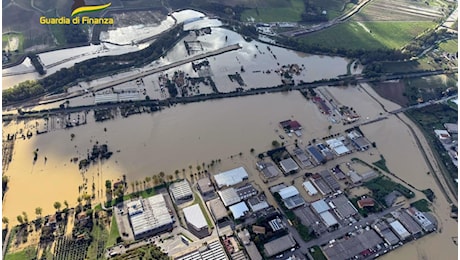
column 229, row 196
column 218, row 210
column 246, row 191
column 384, row 231
column 310, row 188
column 289, row 165
column 268, row 169
column 213, row 251
column 291, row 197
column 279, row 245
column 343, row 207
column 196, row 222
column 205, row 186
column 400, row 230
column 149, row 216
column 231, row 177
column 181, row 191
column 239, row 210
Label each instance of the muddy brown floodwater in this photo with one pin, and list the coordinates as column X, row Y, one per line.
column 194, row 133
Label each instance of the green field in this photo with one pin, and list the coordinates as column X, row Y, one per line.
column 451, row 46
column 291, row 12
column 28, row 253
column 113, row 234
column 367, row 35
column 333, row 8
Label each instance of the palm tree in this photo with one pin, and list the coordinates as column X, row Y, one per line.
column 66, row 204
column 57, row 205
column 38, row 212
column 132, row 186
column 252, row 150
column 148, row 179
column 170, row 177
column 190, row 167
column 137, row 185
column 198, row 168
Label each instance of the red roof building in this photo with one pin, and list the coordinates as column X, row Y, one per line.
column 366, row 202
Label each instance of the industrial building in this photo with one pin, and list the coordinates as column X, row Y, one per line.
column 231, row 177
column 328, row 219
column 320, row 184
column 320, row 206
column 239, row 210
column 289, row 165
column 384, row 231
column 310, row 188
column 149, row 216
column 359, row 141
column 357, row 245
column 408, row 222
column 246, row 191
column 291, row 197
column 268, row 169
column 218, row 210
column 279, row 245
column 257, row 203
column 337, row 146
column 399, row 230
column 421, row 219
column 205, row 186
column 181, row 191
column 331, row 182
column 212, row 251
column 317, row 157
column 342, row 207
column 229, row 196
column 196, row 222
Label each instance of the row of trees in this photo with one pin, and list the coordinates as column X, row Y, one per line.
column 22, row 91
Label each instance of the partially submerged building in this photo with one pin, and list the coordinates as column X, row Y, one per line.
column 316, row 155
column 399, row 230
column 231, row 177
column 311, row 190
column 291, row 197
column 268, row 169
column 289, row 165
column 343, row 207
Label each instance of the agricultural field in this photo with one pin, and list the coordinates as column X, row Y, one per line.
column 27, row 253
column 278, row 11
column 368, row 35
column 450, row 46
column 333, row 8
column 402, row 10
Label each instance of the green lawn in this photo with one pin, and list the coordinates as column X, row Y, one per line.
column 113, row 234
column 290, row 13
column 203, row 209
column 100, row 236
column 28, row 253
column 451, row 46
column 367, row 35
column 317, row 253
